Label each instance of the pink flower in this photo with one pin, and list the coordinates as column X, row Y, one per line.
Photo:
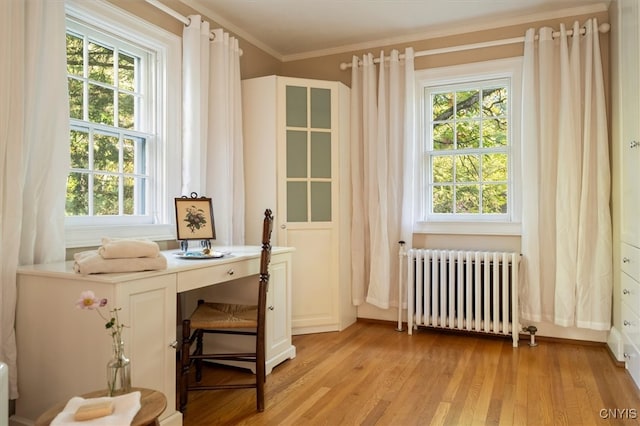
column 88, row 300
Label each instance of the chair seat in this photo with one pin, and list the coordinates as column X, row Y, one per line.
column 224, row 315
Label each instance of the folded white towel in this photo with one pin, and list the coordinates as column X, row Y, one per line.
column 125, row 409
column 90, row 262
column 127, row 248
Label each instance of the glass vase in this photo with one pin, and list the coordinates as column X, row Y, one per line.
column 118, row 372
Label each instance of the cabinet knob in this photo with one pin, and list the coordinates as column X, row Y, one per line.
column 626, row 260
column 283, row 226
column 271, row 308
column 626, row 355
column 626, row 323
column 626, row 291
column 174, row 344
column 634, row 144
column 231, row 272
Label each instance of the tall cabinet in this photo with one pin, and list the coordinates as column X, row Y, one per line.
column 626, row 143
column 296, row 152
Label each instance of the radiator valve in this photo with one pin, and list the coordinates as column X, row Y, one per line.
column 532, row 331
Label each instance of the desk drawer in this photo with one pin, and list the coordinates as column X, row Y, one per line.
column 630, row 260
column 214, row 274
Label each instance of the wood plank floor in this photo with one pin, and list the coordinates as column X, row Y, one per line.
column 370, row 374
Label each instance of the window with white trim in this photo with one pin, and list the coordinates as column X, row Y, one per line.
column 123, row 129
column 470, row 145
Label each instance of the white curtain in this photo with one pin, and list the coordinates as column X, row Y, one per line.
column 566, row 242
column 212, row 163
column 382, row 133
column 34, row 149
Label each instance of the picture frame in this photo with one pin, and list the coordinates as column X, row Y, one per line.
column 194, row 218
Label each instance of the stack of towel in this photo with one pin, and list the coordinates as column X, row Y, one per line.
column 120, row 255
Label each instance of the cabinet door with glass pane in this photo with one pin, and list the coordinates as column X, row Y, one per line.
column 308, row 196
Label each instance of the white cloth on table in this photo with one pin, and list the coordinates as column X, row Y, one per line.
column 128, row 248
column 125, row 409
column 90, row 262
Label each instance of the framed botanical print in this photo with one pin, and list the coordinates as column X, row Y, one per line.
column 194, row 218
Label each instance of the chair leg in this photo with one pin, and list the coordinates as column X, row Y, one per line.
column 184, row 364
column 199, row 351
column 261, row 376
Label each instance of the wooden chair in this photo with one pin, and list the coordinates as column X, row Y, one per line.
column 224, row 318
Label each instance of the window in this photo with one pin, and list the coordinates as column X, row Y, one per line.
column 470, row 147
column 123, row 129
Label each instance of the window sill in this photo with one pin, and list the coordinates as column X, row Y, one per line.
column 468, row 228
column 90, row 236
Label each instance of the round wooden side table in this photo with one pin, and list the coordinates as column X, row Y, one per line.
column 152, row 404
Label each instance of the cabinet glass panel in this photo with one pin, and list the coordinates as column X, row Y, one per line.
column 296, row 201
column 296, row 154
column 321, row 108
column 320, row 154
column 321, row 201
column 296, row 106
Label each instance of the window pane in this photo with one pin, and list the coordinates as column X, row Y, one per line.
column 77, row 203
column 494, row 133
column 320, row 201
column 320, row 154
column 100, row 104
column 494, row 167
column 442, row 167
column 467, row 104
column 443, row 199
column 75, row 59
column 126, row 72
column 128, row 196
column 128, row 155
column 125, row 110
column 296, row 106
column 105, row 153
column 296, row 154
column 105, row 195
column 467, row 167
column 468, row 134
column 442, row 136
column 494, row 102
column 296, row 201
column 320, row 108
column 467, row 199
column 494, row 199
column 79, row 149
column 442, row 106
column 76, row 97
column 100, row 63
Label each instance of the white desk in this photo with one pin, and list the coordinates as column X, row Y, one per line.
column 63, row 351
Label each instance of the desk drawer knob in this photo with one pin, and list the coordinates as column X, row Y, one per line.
column 231, row 272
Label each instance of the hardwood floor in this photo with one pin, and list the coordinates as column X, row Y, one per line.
column 370, row 374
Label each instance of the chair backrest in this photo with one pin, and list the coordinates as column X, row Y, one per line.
column 263, row 284
column 265, row 258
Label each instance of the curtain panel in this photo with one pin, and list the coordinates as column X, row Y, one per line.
column 212, row 126
column 34, row 151
column 566, row 241
column 382, row 141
